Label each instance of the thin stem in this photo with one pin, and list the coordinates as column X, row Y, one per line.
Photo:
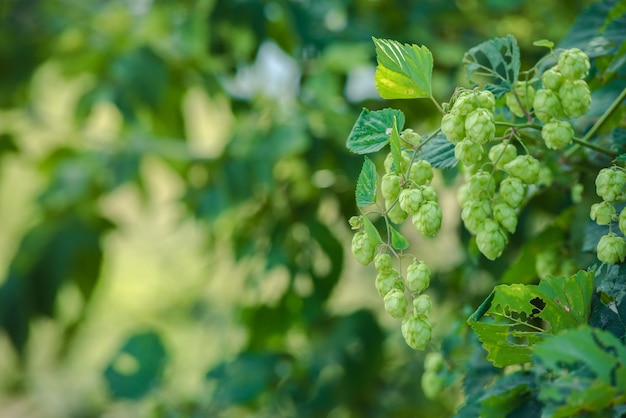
column 432, row 98
column 609, row 112
column 592, row 146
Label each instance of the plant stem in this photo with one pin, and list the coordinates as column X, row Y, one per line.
column 609, row 112
column 432, row 98
column 594, row 147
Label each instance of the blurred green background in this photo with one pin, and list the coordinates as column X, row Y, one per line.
column 174, row 196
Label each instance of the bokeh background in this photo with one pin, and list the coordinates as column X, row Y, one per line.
column 174, row 196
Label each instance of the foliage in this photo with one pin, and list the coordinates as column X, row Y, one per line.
column 261, row 173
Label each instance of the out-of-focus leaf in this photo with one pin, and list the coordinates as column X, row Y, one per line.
column 137, row 367
column 439, row 152
column 404, row 71
column 493, row 64
column 371, row 130
column 366, row 184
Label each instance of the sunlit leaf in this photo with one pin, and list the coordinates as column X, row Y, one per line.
column 371, row 130
column 366, row 184
column 494, row 64
column 545, row 43
column 404, row 71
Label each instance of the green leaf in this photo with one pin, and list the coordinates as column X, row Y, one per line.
column 404, row 71
column 513, row 325
column 439, row 152
column 493, row 64
column 366, row 184
column 371, row 231
column 398, row 241
column 394, row 144
column 371, row 130
column 545, row 43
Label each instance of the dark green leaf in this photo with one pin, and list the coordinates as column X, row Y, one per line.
column 493, row 64
column 398, row 241
column 371, row 130
column 404, row 71
column 439, row 152
column 366, row 184
column 137, row 367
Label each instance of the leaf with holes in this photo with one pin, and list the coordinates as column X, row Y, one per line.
column 493, row 64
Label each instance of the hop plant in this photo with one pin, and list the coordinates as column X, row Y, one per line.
column 546, row 263
column 602, row 213
column 491, row 240
column 573, row 64
column 557, row 134
column 362, row 248
column 575, row 98
column 432, row 384
column 427, row 220
column 552, row 79
column 486, row 100
column 610, row 183
column 390, row 186
column 506, row 216
column 526, row 95
column 512, row 191
column 395, row 213
column 429, row 194
column 453, row 126
column 474, row 213
column 410, row 200
column 622, row 221
column 386, row 281
column 547, row 105
column 611, row 249
column 465, row 103
column 395, row 303
column 524, row 167
column 418, row 276
column 502, row 153
column 410, row 137
column 481, row 186
column 421, row 172
column 417, row 331
column 383, row 263
column 433, row 361
column 468, row 152
column 422, row 305
column 480, row 126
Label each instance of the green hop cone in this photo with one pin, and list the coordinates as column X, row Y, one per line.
column 545, row 176
column 491, row 240
column 610, row 184
column 480, row 126
column 611, row 249
column 410, row 200
column 356, row 222
column 526, row 95
column 525, row 168
column 573, row 64
column 387, row 281
column 429, row 194
column 383, row 263
column 416, row 331
column 502, row 153
column 433, row 361
column 421, row 172
column 557, row 134
column 481, row 186
column 547, row 105
column 474, row 214
column 388, row 163
column 547, row 263
column 390, row 186
column 453, row 126
column 552, row 79
column 622, row 221
column 427, row 220
column 465, row 103
column 395, row 303
column 362, row 248
column 575, row 98
column 395, row 213
column 486, row 100
column 506, row 216
column 422, row 305
column 410, row 137
column 432, row 384
column 418, row 277
column 512, row 191
column 468, row 152
column 602, row 213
